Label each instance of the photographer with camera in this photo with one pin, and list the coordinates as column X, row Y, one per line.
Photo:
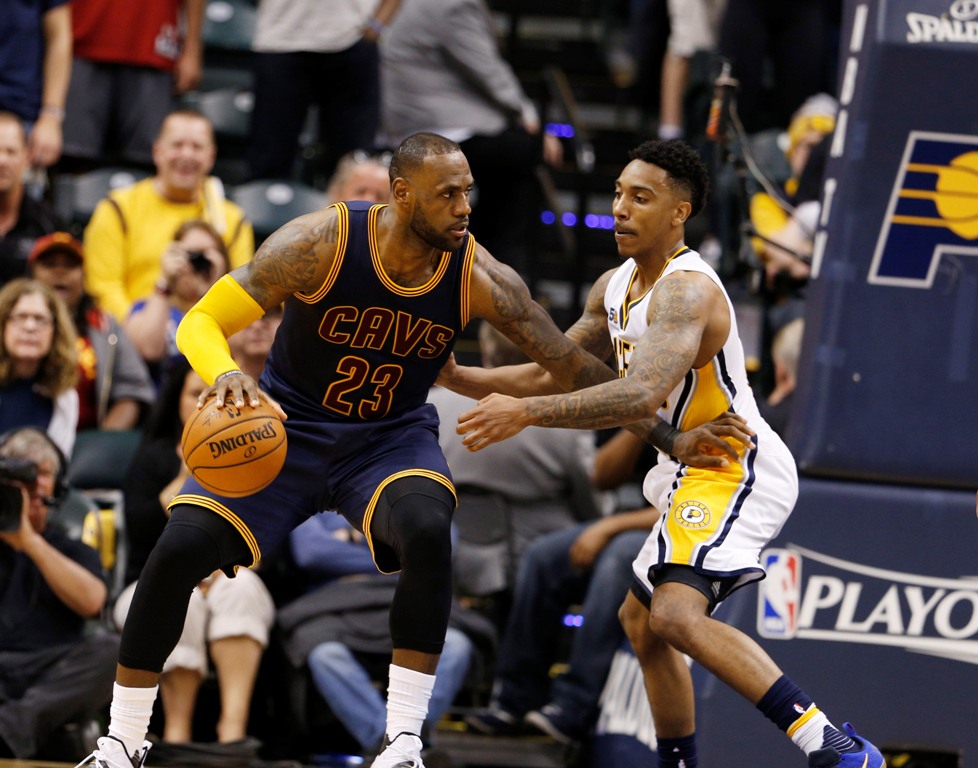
column 195, row 260
column 51, row 672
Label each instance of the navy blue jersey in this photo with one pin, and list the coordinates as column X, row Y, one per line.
column 361, row 347
column 352, row 364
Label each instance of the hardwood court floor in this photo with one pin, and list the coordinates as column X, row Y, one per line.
column 33, row 764
column 470, row 750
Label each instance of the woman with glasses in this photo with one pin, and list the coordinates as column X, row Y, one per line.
column 38, row 362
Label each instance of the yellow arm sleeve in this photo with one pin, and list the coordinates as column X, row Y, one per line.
column 203, row 333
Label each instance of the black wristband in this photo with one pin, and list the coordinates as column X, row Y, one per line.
column 663, row 436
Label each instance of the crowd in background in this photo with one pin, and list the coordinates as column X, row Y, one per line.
column 89, row 310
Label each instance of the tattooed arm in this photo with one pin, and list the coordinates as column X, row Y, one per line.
column 590, row 332
column 499, row 296
column 562, row 362
column 683, row 318
column 296, row 258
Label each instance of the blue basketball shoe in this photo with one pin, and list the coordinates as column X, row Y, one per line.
column 867, row 756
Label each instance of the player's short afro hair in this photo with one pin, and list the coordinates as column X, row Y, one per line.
column 683, row 164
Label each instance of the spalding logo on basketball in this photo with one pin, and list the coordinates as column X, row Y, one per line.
column 234, row 451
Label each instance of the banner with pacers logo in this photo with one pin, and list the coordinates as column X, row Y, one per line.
column 870, row 604
column 889, row 369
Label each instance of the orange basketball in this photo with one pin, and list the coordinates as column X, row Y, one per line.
column 234, row 451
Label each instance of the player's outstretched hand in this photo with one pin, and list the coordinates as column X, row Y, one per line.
column 238, row 388
column 495, row 418
column 708, row 445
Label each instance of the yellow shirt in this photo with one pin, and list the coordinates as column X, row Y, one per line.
column 767, row 216
column 129, row 230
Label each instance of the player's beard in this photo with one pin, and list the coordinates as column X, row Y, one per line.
column 443, row 241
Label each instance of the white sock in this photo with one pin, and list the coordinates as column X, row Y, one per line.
column 808, row 736
column 407, row 700
column 129, row 715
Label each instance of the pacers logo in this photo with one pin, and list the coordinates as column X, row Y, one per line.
column 692, row 514
column 933, row 210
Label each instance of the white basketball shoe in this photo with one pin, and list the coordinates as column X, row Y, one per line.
column 111, row 753
column 403, row 751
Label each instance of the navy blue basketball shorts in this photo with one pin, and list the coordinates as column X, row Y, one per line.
column 341, row 466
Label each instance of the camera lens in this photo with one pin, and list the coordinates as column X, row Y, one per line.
column 10, row 503
column 199, row 261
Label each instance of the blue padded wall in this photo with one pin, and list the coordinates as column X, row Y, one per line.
column 889, row 375
column 876, row 587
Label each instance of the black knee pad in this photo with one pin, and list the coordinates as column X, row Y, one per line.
column 412, row 522
column 413, row 519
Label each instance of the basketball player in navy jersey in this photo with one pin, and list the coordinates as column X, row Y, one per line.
column 375, row 297
column 667, row 319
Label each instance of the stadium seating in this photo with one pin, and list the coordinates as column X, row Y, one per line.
column 229, row 26
column 97, row 472
column 269, row 204
column 75, row 196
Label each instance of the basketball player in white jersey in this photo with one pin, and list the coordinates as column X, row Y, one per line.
column 670, row 324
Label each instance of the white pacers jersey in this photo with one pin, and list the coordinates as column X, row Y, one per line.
column 714, row 520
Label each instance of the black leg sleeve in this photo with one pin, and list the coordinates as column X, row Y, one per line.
column 414, row 518
column 194, row 544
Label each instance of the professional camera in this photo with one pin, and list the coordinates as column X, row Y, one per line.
column 12, row 472
column 199, row 262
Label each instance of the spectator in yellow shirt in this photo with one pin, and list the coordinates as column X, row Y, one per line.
column 131, row 228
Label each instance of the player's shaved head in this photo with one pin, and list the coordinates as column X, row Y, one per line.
column 415, row 149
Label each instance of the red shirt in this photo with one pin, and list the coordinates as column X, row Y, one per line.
column 140, row 32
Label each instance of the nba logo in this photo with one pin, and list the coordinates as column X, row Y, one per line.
column 779, row 595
